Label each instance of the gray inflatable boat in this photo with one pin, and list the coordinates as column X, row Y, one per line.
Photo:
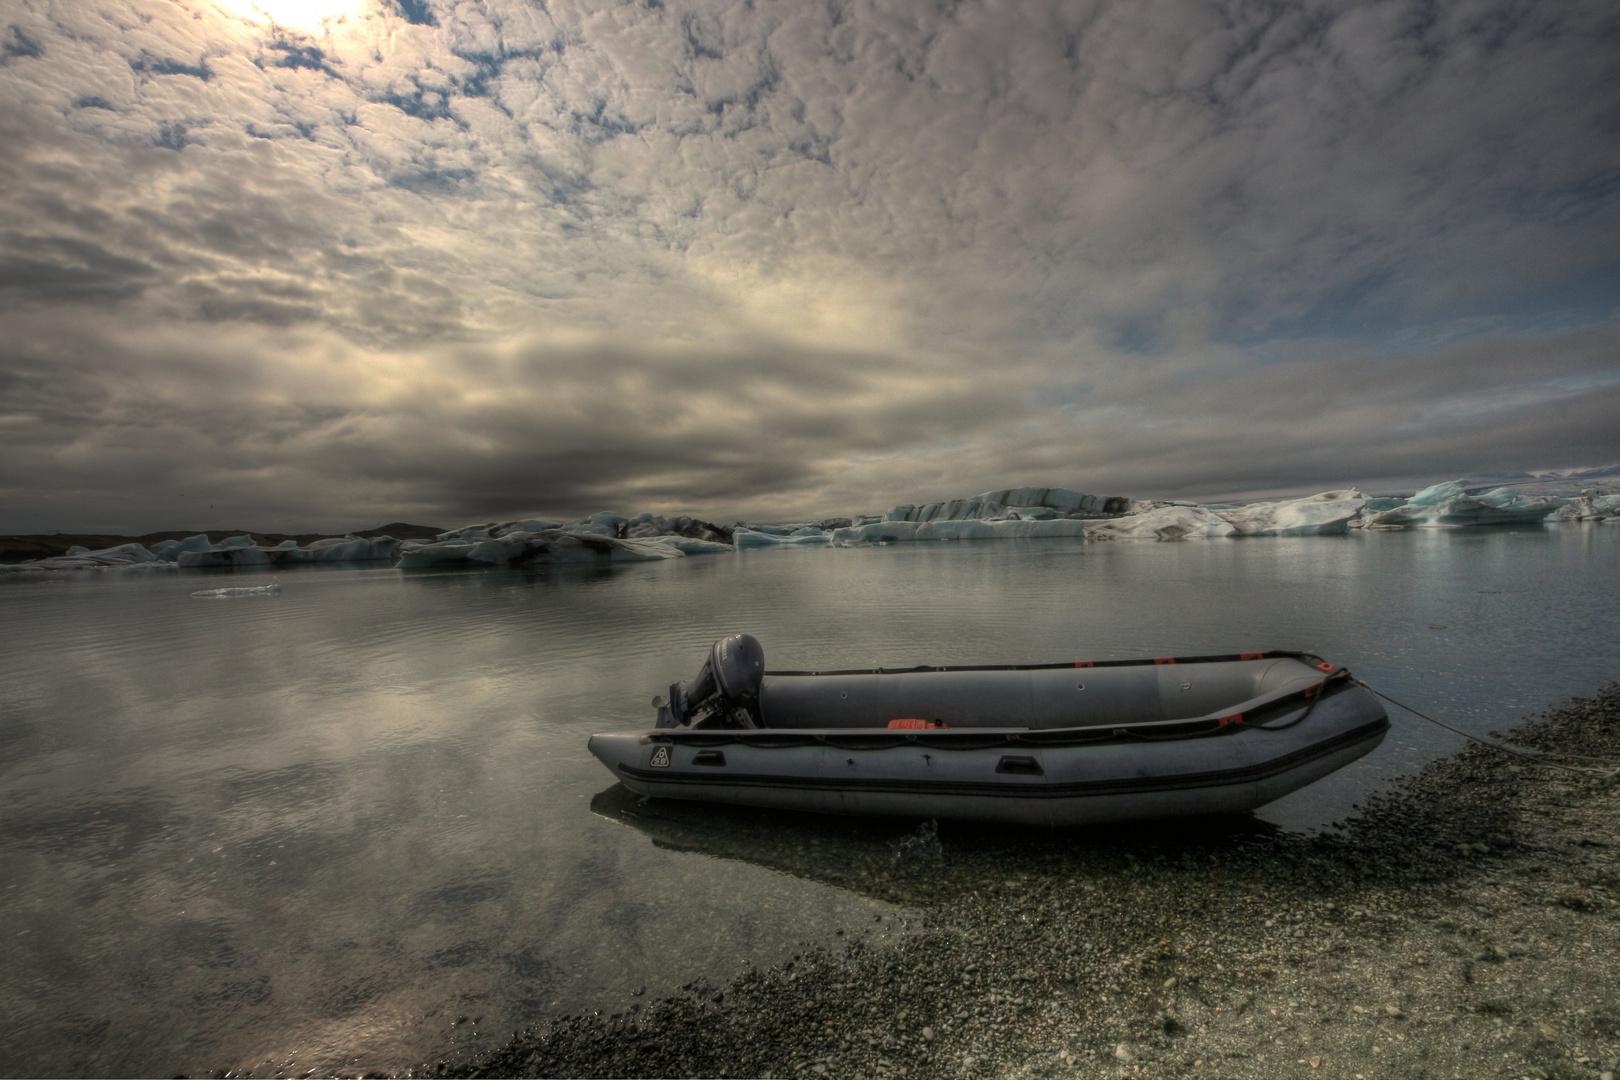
column 1037, row 744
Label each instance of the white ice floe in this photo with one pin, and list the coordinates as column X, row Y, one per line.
column 272, row 589
column 1325, row 514
column 545, row 546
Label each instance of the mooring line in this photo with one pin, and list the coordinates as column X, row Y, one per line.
column 1539, row 757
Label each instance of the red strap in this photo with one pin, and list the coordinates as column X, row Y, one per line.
column 1252, row 656
column 1084, row 663
column 913, row 723
column 1230, row 718
column 1165, row 660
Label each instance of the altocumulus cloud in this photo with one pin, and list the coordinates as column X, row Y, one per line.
column 453, row 260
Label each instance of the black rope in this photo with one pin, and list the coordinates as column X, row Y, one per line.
column 1537, row 756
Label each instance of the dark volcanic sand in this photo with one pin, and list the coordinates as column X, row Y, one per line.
column 1465, row 925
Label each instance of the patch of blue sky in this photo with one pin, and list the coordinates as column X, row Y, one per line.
column 1521, row 396
column 423, row 104
column 1070, row 394
column 20, row 44
column 1582, row 298
column 417, row 12
column 300, row 56
column 286, row 129
column 598, row 125
column 429, row 181
column 489, row 66
column 152, row 65
column 1145, row 334
column 172, row 137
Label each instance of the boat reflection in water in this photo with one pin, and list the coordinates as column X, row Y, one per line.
column 879, row 858
column 907, row 862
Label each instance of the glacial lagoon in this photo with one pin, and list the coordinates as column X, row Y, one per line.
column 352, row 824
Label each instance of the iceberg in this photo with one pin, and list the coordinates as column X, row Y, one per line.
column 1589, row 507
column 1439, row 493
column 1060, row 500
column 169, row 550
column 747, row 537
column 876, row 532
column 496, row 529
column 1444, row 506
column 1167, row 522
column 607, row 523
column 546, row 546
column 692, row 545
column 81, row 558
column 881, row 532
column 645, row 525
column 1024, row 502
column 349, row 548
column 1324, row 514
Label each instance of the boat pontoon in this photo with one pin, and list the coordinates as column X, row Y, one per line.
column 1049, row 744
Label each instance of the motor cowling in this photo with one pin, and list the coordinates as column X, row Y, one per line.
column 725, row 692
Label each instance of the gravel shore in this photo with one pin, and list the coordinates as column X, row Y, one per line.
column 1463, row 925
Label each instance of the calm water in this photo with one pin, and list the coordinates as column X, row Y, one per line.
column 314, row 830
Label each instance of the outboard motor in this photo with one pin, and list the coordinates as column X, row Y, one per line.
column 725, row 692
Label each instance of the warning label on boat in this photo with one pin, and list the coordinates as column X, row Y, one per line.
column 660, row 758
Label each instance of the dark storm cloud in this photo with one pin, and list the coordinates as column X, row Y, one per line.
column 475, row 260
column 568, row 428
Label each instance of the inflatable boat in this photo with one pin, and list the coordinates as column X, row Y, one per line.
column 1040, row 744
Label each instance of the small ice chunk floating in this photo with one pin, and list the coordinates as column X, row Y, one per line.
column 235, row 591
column 1036, row 744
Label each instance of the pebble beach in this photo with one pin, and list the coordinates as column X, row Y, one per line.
column 1462, row 924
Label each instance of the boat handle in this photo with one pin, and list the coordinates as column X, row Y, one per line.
column 708, row 757
column 1019, row 765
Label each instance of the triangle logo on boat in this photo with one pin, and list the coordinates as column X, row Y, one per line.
column 660, row 758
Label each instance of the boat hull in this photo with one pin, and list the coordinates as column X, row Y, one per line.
column 1051, row 777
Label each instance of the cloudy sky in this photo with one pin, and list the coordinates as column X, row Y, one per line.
column 326, row 263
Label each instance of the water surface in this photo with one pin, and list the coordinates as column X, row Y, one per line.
column 316, row 829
